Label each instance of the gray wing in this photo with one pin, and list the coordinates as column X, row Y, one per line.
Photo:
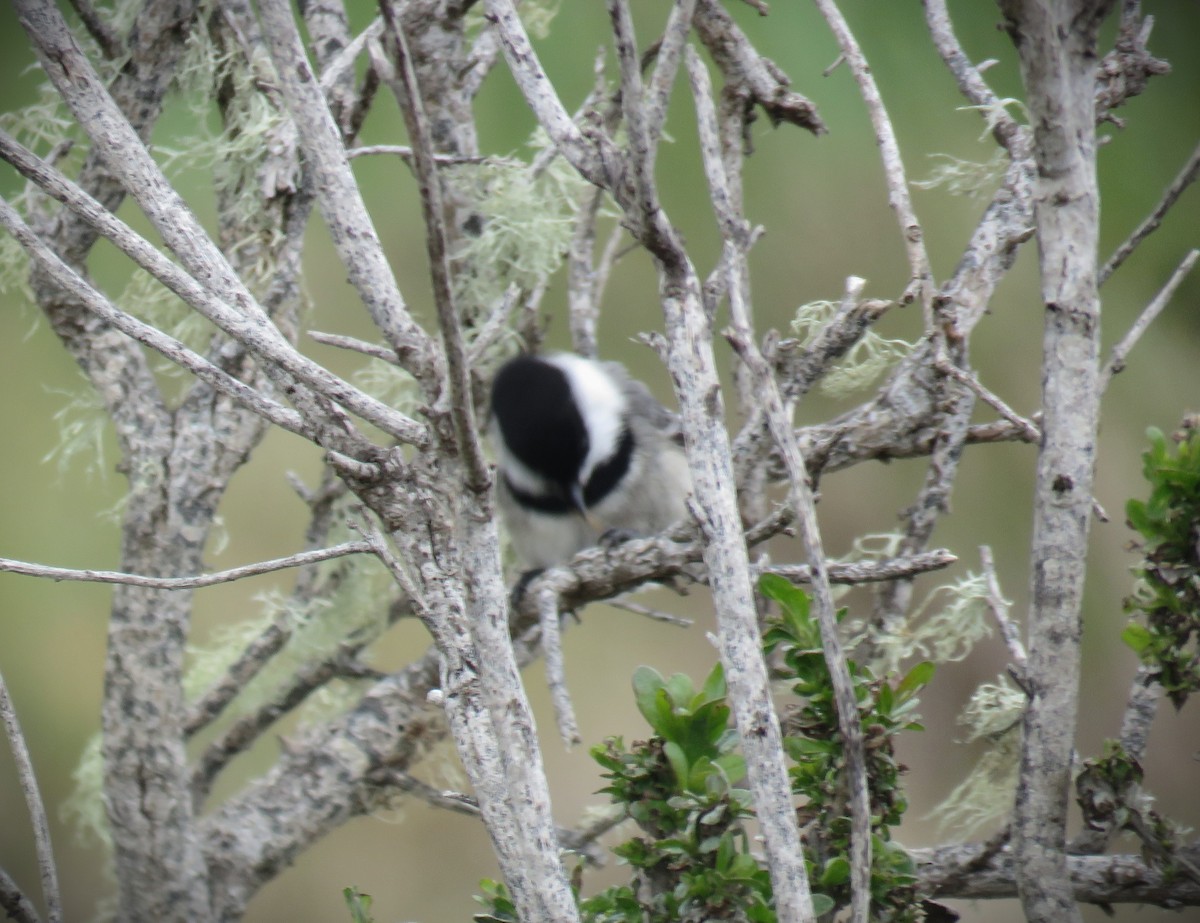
column 645, row 405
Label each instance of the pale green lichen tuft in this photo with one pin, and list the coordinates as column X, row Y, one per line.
column 526, row 226
column 536, row 15
column 83, row 809
column 391, row 385
column 356, row 609
column 82, row 422
column 865, row 361
column 964, row 177
column 994, row 715
column 992, row 113
column 146, row 298
column 944, row 628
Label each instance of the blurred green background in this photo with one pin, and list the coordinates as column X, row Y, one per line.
column 824, row 206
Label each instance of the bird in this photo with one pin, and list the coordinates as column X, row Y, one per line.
column 585, row 454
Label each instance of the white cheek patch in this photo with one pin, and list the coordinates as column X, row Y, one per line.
column 601, row 403
column 521, row 477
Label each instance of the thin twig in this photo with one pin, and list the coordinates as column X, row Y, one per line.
column 1116, row 359
column 1186, row 177
column 970, row 82
column 457, row 383
column 1029, row 430
column 255, row 332
column 578, row 839
column 301, row 559
column 556, row 678
column 458, row 802
column 854, row 573
column 165, row 345
column 735, row 234
column 893, row 164
column 998, row 606
column 405, row 153
column 656, row 614
column 14, row 902
column 374, row 350
column 33, row 801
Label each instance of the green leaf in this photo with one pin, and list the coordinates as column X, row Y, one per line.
column 915, row 680
column 725, row 853
column 836, row 872
column 886, row 699
column 679, row 763
column 680, row 689
column 714, row 686
column 647, row 682
column 1138, row 637
column 733, row 765
column 822, row 904
column 359, row 905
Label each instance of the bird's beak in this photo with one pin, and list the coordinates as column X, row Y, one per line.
column 581, row 506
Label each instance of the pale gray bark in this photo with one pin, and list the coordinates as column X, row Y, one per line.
column 430, row 515
column 1057, row 48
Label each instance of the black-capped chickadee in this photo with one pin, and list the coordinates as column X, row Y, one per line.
column 583, row 449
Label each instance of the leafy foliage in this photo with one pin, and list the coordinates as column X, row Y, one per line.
column 812, row 740
column 1167, row 596
column 680, row 788
column 359, row 905
column 692, row 860
column 1110, row 795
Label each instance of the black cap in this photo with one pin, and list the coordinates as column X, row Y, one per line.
column 539, row 421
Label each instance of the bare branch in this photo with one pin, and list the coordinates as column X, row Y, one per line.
column 33, row 801
column 301, row 559
column 1186, row 177
column 14, row 902
column 406, row 154
column 1029, row 431
column 656, row 614
column 1116, row 359
column 166, row 345
column 954, row 872
column 456, row 386
column 998, row 606
column 857, row 572
column 457, row 802
column 340, row 199
column 598, row 164
column 800, row 498
column 971, row 83
column 111, row 45
column 1142, row 706
column 921, row 285
column 756, row 78
column 692, row 366
column 374, row 350
column 556, row 676
column 666, row 66
column 249, row 326
column 1057, row 46
column 239, row 737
